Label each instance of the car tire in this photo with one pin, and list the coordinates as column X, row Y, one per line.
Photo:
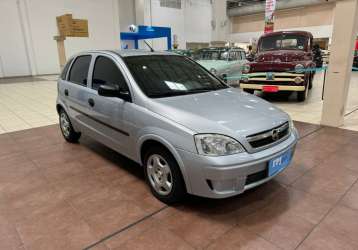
column 302, row 95
column 163, row 175
column 250, row 91
column 310, row 84
column 66, row 127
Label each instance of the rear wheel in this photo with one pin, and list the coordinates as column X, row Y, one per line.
column 67, row 130
column 163, row 175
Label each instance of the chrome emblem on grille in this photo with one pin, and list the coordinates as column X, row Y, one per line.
column 275, row 134
column 270, row 76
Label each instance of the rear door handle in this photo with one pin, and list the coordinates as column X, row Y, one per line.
column 91, row 102
column 66, row 92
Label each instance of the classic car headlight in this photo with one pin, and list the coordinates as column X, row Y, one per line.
column 213, row 71
column 246, row 68
column 217, row 145
column 299, row 68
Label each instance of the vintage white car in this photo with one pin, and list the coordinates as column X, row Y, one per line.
column 226, row 63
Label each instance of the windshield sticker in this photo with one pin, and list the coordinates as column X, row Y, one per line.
column 175, row 85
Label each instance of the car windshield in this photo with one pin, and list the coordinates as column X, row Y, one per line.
column 286, row 42
column 168, row 75
column 212, row 55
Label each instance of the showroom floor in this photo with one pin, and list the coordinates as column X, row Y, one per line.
column 29, row 102
column 56, row 195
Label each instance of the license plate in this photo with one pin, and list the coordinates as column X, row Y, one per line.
column 279, row 163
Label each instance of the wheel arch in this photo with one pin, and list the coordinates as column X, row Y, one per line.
column 147, row 141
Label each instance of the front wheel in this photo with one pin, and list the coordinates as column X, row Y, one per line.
column 67, row 130
column 164, row 176
column 302, row 95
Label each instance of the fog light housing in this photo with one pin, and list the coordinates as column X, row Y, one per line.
column 245, row 79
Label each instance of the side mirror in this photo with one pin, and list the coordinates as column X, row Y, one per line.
column 114, row 91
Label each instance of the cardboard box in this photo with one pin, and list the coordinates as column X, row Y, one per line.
column 69, row 27
column 64, row 24
column 79, row 28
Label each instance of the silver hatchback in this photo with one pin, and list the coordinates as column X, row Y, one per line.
column 191, row 132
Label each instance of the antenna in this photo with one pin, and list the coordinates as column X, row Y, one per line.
column 150, row 47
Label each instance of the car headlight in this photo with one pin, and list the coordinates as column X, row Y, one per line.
column 291, row 124
column 213, row 71
column 217, row 145
column 246, row 68
column 299, row 68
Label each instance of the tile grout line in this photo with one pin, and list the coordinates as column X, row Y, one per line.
column 125, row 228
column 328, row 212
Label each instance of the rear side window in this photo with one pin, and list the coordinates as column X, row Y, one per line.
column 79, row 70
column 106, row 72
column 65, row 69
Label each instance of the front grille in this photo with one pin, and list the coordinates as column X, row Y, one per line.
column 282, row 78
column 269, row 136
column 255, row 177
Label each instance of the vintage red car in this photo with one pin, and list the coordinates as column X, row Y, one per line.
column 284, row 62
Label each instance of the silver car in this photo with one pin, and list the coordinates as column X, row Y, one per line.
column 191, row 132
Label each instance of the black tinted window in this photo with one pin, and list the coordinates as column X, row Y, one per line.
column 163, row 75
column 65, row 69
column 106, row 72
column 79, row 70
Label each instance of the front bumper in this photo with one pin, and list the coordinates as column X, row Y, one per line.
column 225, row 176
column 284, row 81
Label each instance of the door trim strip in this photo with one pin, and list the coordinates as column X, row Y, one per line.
column 100, row 122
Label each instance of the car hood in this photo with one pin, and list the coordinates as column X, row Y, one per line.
column 209, row 64
column 281, row 56
column 228, row 111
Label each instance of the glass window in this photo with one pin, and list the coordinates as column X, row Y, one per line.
column 106, row 72
column 79, row 70
column 166, row 75
column 278, row 42
column 243, row 55
column 65, row 69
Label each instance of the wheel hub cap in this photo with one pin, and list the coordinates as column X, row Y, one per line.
column 159, row 174
column 65, row 125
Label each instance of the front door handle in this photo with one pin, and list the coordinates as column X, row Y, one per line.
column 66, row 92
column 91, row 102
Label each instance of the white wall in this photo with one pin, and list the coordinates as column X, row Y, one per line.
column 38, row 17
column 191, row 23
column 13, row 57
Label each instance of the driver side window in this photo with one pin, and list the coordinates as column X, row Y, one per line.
column 106, row 72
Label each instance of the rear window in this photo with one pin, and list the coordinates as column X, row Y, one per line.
column 65, row 69
column 79, row 70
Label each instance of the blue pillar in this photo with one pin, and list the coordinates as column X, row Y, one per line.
column 136, row 43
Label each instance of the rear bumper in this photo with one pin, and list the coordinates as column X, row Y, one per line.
column 225, row 176
column 280, row 87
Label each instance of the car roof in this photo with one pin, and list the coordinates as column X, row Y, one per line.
column 293, row 32
column 131, row 52
column 221, row 48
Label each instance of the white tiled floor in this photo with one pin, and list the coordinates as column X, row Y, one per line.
column 27, row 104
column 31, row 104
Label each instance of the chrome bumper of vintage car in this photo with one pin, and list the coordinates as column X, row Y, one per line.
column 284, row 81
